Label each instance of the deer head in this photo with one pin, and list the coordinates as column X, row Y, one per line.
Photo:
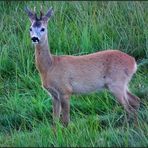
column 38, row 28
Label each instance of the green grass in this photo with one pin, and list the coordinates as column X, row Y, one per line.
column 76, row 28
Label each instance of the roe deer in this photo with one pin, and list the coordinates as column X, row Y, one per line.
column 63, row 76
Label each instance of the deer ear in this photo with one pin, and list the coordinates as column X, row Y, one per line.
column 48, row 15
column 30, row 14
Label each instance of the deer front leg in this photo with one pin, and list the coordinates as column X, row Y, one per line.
column 56, row 103
column 56, row 110
column 65, row 106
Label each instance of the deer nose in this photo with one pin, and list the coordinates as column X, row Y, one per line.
column 35, row 39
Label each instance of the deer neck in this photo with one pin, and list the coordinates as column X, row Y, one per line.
column 43, row 57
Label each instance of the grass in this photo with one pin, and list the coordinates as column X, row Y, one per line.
column 76, row 28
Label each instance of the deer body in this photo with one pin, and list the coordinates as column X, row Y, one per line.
column 84, row 74
column 63, row 76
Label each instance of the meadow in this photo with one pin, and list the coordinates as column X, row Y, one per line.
column 76, row 28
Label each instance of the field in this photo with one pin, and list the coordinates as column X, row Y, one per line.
column 77, row 28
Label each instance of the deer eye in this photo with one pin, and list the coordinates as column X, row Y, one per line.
column 43, row 29
column 30, row 29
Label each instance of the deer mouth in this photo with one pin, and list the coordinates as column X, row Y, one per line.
column 35, row 40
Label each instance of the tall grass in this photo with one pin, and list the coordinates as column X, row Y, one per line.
column 76, row 28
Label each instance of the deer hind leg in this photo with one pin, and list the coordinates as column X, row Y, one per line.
column 119, row 92
column 134, row 102
column 65, row 106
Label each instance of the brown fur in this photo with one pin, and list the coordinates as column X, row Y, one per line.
column 63, row 76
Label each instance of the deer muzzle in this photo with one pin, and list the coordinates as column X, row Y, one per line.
column 35, row 39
